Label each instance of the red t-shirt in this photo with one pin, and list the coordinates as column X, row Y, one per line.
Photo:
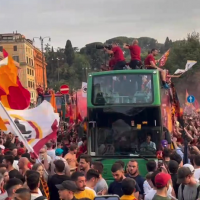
column 148, row 59
column 135, row 51
column 118, row 54
column 82, row 150
column 111, row 63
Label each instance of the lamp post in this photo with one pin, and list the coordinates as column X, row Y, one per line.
column 42, row 48
column 58, row 66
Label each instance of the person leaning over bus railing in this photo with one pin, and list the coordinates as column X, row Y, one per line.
column 150, row 63
column 118, row 56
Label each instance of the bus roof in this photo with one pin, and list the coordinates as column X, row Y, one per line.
column 135, row 71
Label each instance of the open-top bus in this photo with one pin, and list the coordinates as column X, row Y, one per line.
column 124, row 107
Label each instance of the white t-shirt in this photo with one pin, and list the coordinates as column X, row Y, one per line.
column 15, row 165
column 40, row 161
column 91, row 190
column 146, row 187
column 51, row 153
column 197, row 174
column 80, row 143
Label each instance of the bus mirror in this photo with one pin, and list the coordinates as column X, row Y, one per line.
column 107, row 197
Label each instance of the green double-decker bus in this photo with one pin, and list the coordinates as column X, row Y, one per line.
column 124, row 111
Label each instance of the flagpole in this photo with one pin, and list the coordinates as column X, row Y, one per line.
column 20, row 135
column 16, row 130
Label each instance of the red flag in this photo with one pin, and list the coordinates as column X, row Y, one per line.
column 196, row 105
column 164, row 58
column 186, row 96
column 5, row 54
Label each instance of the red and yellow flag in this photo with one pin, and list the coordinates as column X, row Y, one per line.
column 12, row 94
column 164, row 58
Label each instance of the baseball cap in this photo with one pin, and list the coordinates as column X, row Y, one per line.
column 183, row 172
column 190, row 167
column 21, row 151
column 67, row 185
column 58, row 152
column 161, row 180
column 164, row 143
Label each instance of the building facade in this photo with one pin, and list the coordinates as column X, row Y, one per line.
column 22, row 51
column 40, row 72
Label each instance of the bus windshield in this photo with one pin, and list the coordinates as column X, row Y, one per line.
column 59, row 100
column 122, row 89
column 131, row 131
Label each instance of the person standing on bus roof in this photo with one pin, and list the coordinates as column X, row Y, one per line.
column 150, row 63
column 135, row 51
column 118, row 56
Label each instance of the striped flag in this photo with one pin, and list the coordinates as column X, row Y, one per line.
column 34, row 127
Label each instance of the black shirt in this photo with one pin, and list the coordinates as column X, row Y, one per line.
column 54, row 180
column 15, row 174
column 139, row 180
column 175, row 184
column 116, row 188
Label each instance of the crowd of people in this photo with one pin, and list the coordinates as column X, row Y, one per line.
column 65, row 171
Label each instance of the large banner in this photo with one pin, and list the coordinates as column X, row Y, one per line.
column 37, row 125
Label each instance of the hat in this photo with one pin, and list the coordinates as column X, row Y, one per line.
column 164, row 143
column 190, row 167
column 161, row 180
column 67, row 185
column 58, row 152
column 183, row 172
column 21, row 151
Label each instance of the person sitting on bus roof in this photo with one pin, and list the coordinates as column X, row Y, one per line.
column 118, row 56
column 149, row 145
column 135, row 52
column 150, row 63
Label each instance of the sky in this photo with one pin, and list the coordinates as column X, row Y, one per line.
column 87, row 21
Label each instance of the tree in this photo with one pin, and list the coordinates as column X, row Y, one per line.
column 181, row 51
column 76, row 49
column 47, row 48
column 167, row 44
column 69, row 53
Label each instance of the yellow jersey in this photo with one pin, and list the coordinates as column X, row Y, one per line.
column 85, row 194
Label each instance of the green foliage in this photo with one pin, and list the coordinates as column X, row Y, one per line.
column 181, row 51
column 69, row 53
